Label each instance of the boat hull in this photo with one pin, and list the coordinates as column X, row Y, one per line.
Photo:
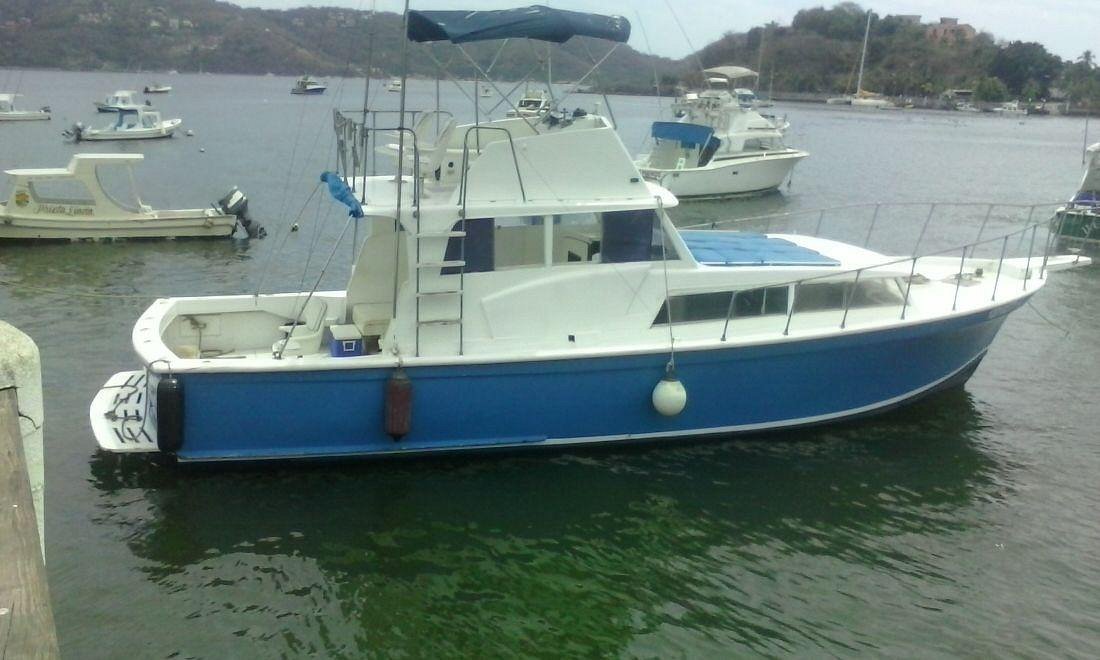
column 548, row 403
column 163, row 224
column 740, row 176
column 28, row 115
column 309, row 92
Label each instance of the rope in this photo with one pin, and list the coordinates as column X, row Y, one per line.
column 1065, row 331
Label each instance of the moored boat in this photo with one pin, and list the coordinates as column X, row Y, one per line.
column 1077, row 223
column 157, row 88
column 307, row 85
column 545, row 299
column 718, row 147
column 131, row 124
column 8, row 111
column 395, row 85
column 533, row 103
column 121, row 100
column 71, row 203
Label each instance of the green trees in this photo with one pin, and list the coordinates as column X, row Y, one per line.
column 1020, row 64
column 990, row 90
column 1080, row 81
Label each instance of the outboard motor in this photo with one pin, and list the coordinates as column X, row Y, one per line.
column 236, row 203
column 75, row 132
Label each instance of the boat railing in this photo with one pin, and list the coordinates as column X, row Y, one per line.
column 1031, row 234
column 476, row 132
column 357, row 141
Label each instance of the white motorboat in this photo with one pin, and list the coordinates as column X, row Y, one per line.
column 157, row 88
column 308, row 86
column 121, row 100
column 547, row 300
column 131, row 124
column 718, row 148
column 1011, row 109
column 533, row 103
column 8, row 111
column 395, row 85
column 71, row 203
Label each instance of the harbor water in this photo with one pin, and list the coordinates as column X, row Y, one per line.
column 965, row 525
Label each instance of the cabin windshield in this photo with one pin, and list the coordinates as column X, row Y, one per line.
column 560, row 239
column 117, row 184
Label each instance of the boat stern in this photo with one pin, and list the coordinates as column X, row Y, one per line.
column 123, row 416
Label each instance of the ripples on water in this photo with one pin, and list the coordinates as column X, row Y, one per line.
column 964, row 525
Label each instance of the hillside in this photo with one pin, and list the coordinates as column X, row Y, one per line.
column 207, row 35
column 817, row 53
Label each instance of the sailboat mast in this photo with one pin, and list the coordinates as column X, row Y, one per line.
column 863, row 55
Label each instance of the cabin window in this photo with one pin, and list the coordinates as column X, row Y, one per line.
column 496, row 243
column 60, row 191
column 576, row 238
column 820, row 296
column 633, row 236
column 716, row 306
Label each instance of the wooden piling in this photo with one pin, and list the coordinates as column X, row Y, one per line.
column 26, row 618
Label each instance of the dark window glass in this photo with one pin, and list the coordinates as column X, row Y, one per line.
column 714, row 306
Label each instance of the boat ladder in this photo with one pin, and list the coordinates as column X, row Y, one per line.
column 440, row 292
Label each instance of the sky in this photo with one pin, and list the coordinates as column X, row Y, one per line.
column 1066, row 27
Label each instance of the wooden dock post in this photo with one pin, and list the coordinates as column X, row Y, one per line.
column 26, row 618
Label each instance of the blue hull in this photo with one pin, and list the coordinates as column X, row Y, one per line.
column 247, row 416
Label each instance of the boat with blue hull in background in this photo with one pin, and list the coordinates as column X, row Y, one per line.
column 540, row 296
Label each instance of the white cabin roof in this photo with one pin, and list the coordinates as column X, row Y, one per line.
column 731, row 72
column 78, row 161
column 8, row 97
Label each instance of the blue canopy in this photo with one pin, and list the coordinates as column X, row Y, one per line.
column 534, row 22
column 689, row 135
column 736, row 248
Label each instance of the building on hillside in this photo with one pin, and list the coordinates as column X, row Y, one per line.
column 950, row 29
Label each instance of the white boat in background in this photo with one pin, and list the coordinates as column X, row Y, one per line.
column 1011, row 109
column 121, row 100
column 718, row 147
column 8, row 111
column 532, row 104
column 862, row 98
column 395, row 85
column 132, row 124
column 157, row 88
column 308, row 86
column 71, row 203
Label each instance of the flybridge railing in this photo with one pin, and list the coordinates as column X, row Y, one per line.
column 356, row 142
column 1043, row 233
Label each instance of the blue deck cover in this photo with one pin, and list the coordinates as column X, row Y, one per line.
column 730, row 248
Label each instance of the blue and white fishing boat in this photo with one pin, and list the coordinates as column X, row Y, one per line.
column 123, row 99
column 543, row 298
column 307, row 85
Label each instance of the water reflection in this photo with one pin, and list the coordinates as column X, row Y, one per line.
column 614, row 552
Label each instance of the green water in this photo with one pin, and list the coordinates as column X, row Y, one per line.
column 963, row 526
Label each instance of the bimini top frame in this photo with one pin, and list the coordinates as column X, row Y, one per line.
column 535, row 22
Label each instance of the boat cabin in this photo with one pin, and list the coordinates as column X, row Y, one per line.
column 77, row 190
